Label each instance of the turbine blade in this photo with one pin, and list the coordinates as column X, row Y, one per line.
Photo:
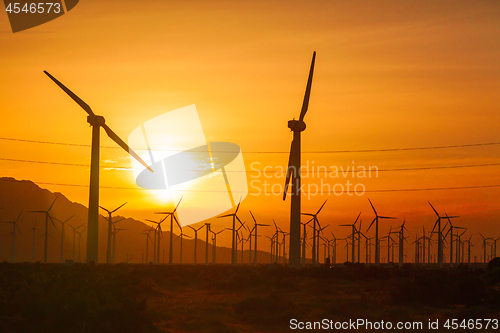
column 357, row 218
column 122, row 144
column 253, row 217
column 289, row 171
column 435, row 211
column 104, row 209
column 371, row 225
column 118, row 208
column 372, row 207
column 77, row 99
column 52, row 204
column 321, row 207
column 305, row 103
column 177, row 205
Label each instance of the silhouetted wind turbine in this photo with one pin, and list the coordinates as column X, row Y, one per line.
column 233, row 242
column 255, row 237
column 214, row 245
column 402, row 239
column 451, row 236
column 172, row 218
column 62, row 236
column 468, row 250
column 110, row 231
column 80, row 243
column 440, row 234
column 353, row 234
column 377, row 241
column 485, row 240
column 113, row 255
column 315, row 230
column 74, row 238
column 33, row 245
column 195, row 240
column 293, row 172
column 47, row 217
column 93, row 214
column 148, row 238
column 13, row 237
column 181, row 236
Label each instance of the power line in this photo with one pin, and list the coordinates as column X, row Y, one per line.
column 274, row 152
column 319, row 169
column 278, row 193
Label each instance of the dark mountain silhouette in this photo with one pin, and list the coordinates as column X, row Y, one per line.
column 17, row 195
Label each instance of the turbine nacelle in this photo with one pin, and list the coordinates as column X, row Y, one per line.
column 296, row 125
column 96, row 120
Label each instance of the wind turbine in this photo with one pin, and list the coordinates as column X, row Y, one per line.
column 156, row 235
column 13, row 239
column 233, row 242
column 181, row 235
column 110, row 231
column 450, row 230
column 62, row 236
column 207, row 225
column 172, row 218
column 33, row 245
column 113, row 255
column 353, row 235
column 293, row 173
column 80, row 242
column 255, row 237
column 148, row 238
column 214, row 244
column 377, row 241
column 93, row 212
column 440, row 234
column 74, row 238
column 195, row 239
column 315, row 221
column 47, row 217
column 468, row 250
column 334, row 249
column 402, row 239
column 485, row 240
column 304, row 240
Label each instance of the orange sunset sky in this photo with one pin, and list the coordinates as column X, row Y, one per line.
column 389, row 74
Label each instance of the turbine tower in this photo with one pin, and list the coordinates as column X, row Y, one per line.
column 93, row 216
column 293, row 173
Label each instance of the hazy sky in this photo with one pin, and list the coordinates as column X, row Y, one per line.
column 389, row 74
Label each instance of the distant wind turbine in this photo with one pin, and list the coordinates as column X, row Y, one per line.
column 440, row 234
column 62, row 236
column 47, row 217
column 377, row 241
column 172, row 218
column 15, row 228
column 74, row 238
column 93, row 211
column 110, row 231
column 315, row 231
column 195, row 240
column 255, row 237
column 233, row 242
